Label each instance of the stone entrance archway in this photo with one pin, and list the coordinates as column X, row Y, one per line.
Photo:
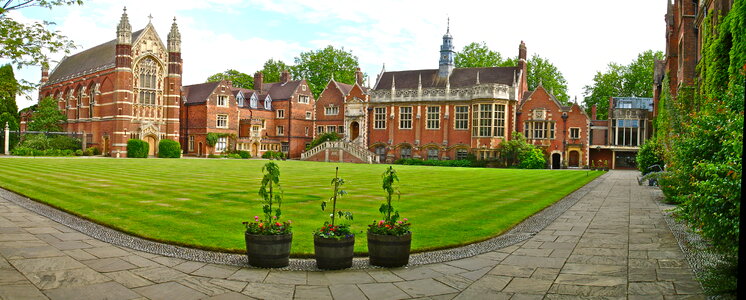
column 254, row 150
column 574, row 160
column 556, row 161
column 354, row 130
column 152, row 144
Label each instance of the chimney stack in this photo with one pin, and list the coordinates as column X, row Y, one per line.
column 258, row 81
column 285, row 76
column 359, row 77
column 593, row 112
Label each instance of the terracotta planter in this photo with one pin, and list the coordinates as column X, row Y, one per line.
column 268, row 251
column 389, row 250
column 333, row 254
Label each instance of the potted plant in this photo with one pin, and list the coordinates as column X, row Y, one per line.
column 268, row 240
column 606, row 165
column 334, row 243
column 389, row 240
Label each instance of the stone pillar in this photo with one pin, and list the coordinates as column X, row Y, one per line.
column 7, row 139
column 84, row 140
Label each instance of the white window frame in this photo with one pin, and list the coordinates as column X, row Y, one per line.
column 331, row 128
column 405, row 117
column 308, row 115
column 240, row 99
column 268, row 103
column 575, row 135
column 280, row 113
column 331, row 110
column 221, row 144
column 489, row 120
column 218, row 120
column 191, row 143
column 320, row 129
column 461, row 118
column 433, row 118
column 379, row 118
column 304, row 99
column 280, row 130
column 222, row 100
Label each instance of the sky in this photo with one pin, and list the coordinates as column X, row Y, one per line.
column 580, row 37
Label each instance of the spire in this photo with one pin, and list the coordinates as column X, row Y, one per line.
column 446, row 54
column 124, row 30
column 174, row 38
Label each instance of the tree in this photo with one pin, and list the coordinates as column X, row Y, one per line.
column 8, row 92
column 317, row 67
column 633, row 80
column 30, row 44
column 240, row 80
column 478, row 55
column 46, row 117
column 272, row 69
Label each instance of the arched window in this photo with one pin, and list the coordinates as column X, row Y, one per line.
column 381, row 152
column 432, row 153
column 405, row 152
column 148, row 71
column 91, row 99
column 252, row 101
column 78, row 101
column 239, row 99
column 268, row 103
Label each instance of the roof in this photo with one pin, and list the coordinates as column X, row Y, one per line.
column 198, row 93
column 93, row 59
column 345, row 88
column 461, row 77
column 633, row 102
column 281, row 91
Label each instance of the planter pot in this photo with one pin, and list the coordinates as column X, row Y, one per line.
column 389, row 250
column 268, row 251
column 333, row 254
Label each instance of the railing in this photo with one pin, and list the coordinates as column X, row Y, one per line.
column 357, row 151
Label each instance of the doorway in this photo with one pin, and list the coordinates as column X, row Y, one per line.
column 199, row 150
column 556, row 160
column 354, row 130
column 151, row 145
column 574, row 159
column 254, row 150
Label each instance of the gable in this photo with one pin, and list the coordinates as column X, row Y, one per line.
column 149, row 43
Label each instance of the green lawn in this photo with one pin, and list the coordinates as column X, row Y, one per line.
column 202, row 202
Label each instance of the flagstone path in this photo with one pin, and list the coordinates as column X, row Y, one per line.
column 613, row 243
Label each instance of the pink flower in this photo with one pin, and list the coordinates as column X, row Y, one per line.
column 405, row 219
column 380, row 222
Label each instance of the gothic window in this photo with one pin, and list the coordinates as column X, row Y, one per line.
column 381, row 152
column 268, row 103
column 240, row 99
column 405, row 152
column 433, row 117
column 91, row 100
column 461, row 117
column 461, row 153
column 432, row 154
column 78, row 102
column 148, row 71
column 405, row 117
column 379, row 118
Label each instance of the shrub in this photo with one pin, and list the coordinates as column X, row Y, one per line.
column 650, row 154
column 35, row 141
column 169, row 149
column 26, row 151
column 214, row 156
column 328, row 136
column 273, row 155
column 533, row 159
column 234, row 155
column 78, row 152
column 244, row 154
column 432, row 162
column 64, row 142
column 137, row 148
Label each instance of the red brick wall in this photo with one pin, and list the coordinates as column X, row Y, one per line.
column 330, row 96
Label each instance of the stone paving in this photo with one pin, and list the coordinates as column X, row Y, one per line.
column 613, row 243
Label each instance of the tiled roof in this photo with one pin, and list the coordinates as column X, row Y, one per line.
column 461, row 77
column 282, row 91
column 88, row 61
column 198, row 93
column 345, row 88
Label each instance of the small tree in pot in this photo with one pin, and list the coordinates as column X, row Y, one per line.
column 389, row 240
column 334, row 243
column 268, row 240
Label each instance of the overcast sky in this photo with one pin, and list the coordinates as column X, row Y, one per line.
column 580, row 37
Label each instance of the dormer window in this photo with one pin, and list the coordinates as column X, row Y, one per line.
column 252, row 101
column 268, row 103
column 240, row 98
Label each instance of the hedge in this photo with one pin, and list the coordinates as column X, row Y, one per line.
column 169, row 149
column 432, row 162
column 137, row 148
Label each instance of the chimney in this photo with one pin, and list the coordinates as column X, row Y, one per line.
column 285, row 76
column 593, row 112
column 44, row 74
column 258, row 81
column 359, row 76
column 522, row 66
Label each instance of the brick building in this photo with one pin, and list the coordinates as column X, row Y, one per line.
column 444, row 113
column 273, row 117
column 125, row 88
column 341, row 108
column 561, row 131
column 617, row 140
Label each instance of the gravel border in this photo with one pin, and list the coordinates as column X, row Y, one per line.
column 519, row 233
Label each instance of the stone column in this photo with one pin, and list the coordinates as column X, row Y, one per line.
column 84, row 141
column 7, row 139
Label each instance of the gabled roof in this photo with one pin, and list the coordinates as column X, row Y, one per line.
column 343, row 87
column 88, row 61
column 461, row 77
column 198, row 93
column 527, row 96
column 281, row 91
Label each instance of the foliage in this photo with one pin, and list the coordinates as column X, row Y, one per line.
column 31, row 44
column 433, row 162
column 27, row 151
column 272, row 70
column 649, row 156
column 702, row 134
column 273, row 155
column 169, row 149
column 91, row 151
column 271, row 194
column 478, row 55
column 330, row 230
column 512, row 150
column 244, row 154
column 47, row 117
column 632, row 80
column 533, row 159
column 390, row 225
column 137, row 148
column 212, row 138
column 44, row 142
column 238, row 79
column 8, row 92
column 327, row 136
column 318, row 67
